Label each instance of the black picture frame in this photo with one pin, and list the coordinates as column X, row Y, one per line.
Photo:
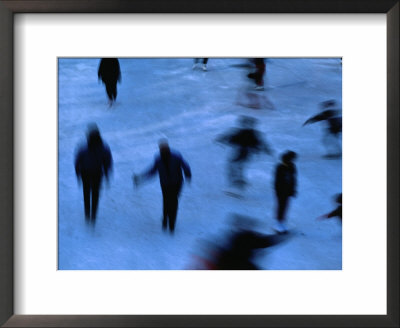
column 10, row 7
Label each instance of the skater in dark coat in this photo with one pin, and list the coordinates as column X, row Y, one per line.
column 169, row 165
column 258, row 74
column 109, row 72
column 337, row 212
column 240, row 250
column 245, row 140
column 285, row 187
column 333, row 130
column 92, row 162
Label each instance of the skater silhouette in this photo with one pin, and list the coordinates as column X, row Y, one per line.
column 169, row 165
column 240, row 249
column 92, row 162
column 251, row 97
column 337, row 212
column 245, row 141
column 109, row 72
column 333, row 129
column 258, row 74
column 285, row 187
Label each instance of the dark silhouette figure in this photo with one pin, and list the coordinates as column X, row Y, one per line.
column 240, row 250
column 333, row 130
column 109, row 72
column 169, row 165
column 258, row 74
column 285, row 187
column 245, row 140
column 337, row 212
column 92, row 162
column 204, row 60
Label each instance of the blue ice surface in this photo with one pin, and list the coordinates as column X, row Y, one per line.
column 165, row 97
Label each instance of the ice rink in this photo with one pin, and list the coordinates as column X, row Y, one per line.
column 166, row 98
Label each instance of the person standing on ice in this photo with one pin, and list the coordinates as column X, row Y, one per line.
column 109, row 72
column 333, row 130
column 169, row 165
column 258, row 74
column 246, row 140
column 92, row 162
column 285, row 185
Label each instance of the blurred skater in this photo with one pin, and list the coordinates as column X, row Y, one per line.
column 240, row 250
column 245, row 140
column 109, row 72
column 285, row 187
column 92, row 162
column 333, row 130
column 169, row 165
column 337, row 212
column 204, row 61
column 250, row 97
column 258, row 74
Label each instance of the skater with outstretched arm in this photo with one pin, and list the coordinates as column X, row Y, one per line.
column 337, row 212
column 169, row 165
column 239, row 249
column 245, row 141
column 333, row 130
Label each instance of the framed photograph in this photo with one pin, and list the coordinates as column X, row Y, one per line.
column 115, row 112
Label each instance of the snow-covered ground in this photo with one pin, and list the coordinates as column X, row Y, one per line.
column 164, row 97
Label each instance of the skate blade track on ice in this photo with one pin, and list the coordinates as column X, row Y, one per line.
column 234, row 194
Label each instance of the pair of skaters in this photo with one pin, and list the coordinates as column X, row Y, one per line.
column 93, row 162
column 246, row 140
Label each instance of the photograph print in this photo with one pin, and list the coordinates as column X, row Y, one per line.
column 199, row 163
